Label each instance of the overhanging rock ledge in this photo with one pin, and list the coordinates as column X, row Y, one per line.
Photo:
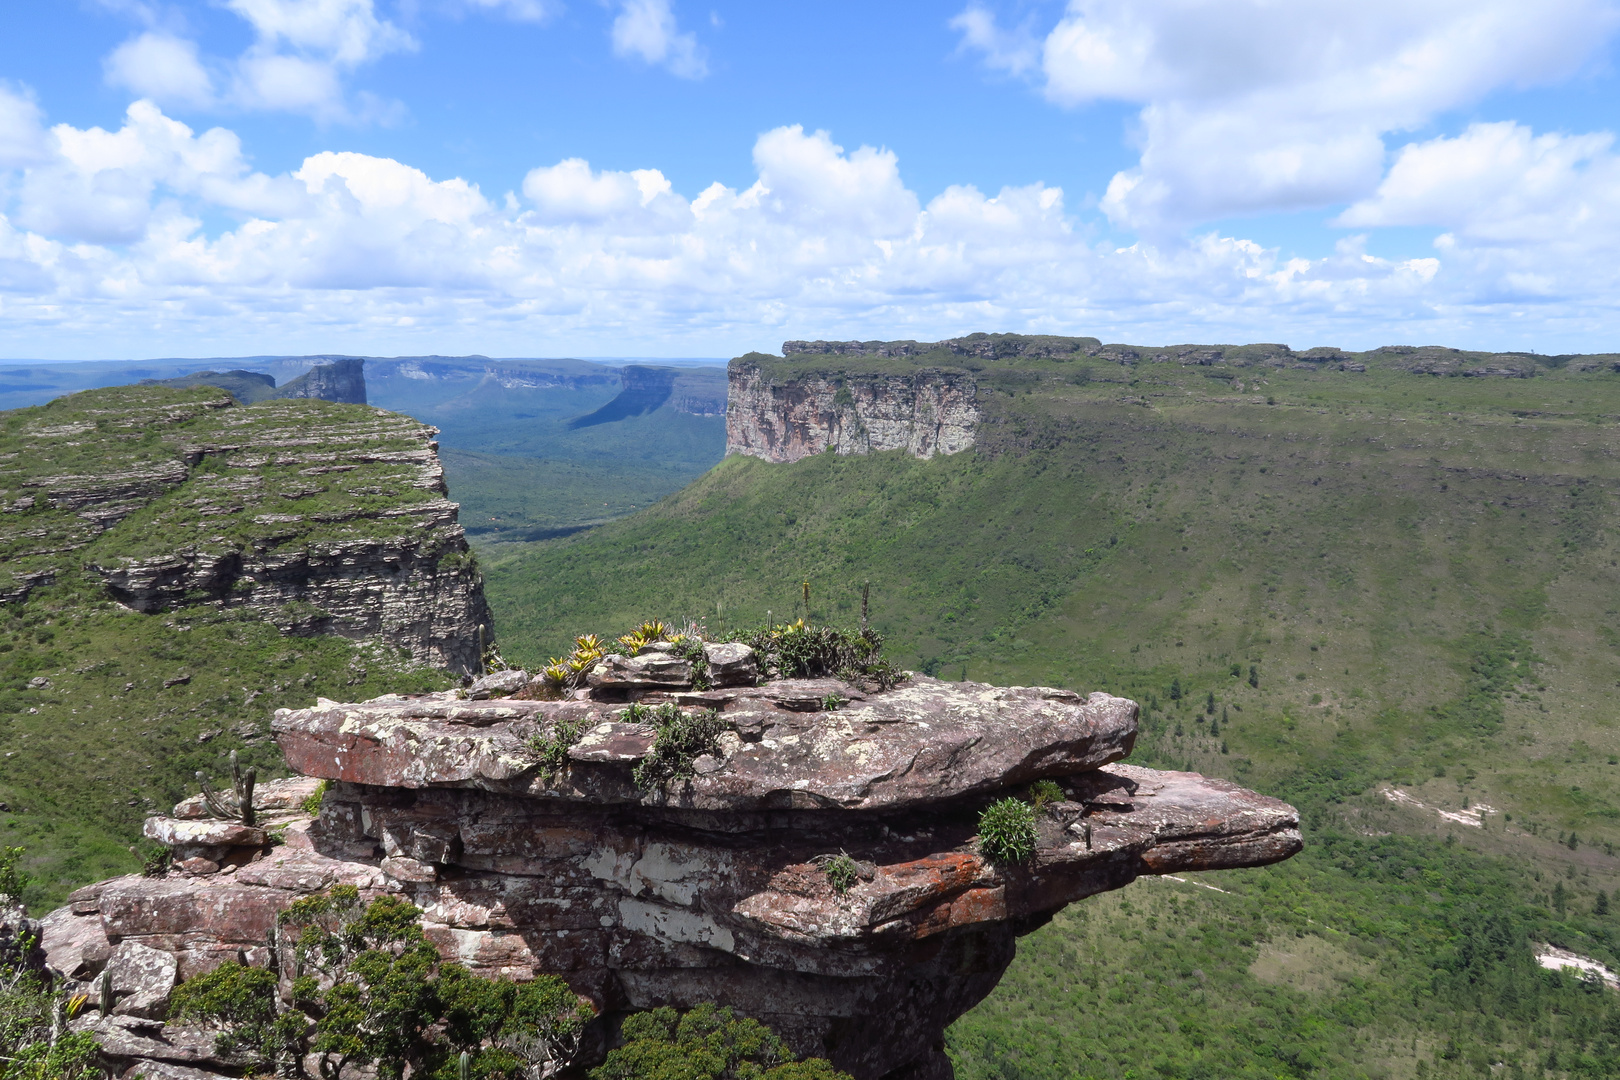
column 712, row 889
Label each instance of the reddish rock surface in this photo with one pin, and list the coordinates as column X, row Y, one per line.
column 713, row 890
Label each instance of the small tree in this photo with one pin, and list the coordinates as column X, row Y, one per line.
column 369, row 990
column 239, row 1003
column 544, row 1027
column 378, row 968
column 707, row 1042
column 1175, row 689
column 1254, row 676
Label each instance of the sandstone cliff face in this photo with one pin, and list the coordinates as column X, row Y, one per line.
column 713, row 889
column 925, row 412
column 325, row 518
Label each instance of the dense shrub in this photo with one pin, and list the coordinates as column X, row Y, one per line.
column 707, row 1043
column 682, row 738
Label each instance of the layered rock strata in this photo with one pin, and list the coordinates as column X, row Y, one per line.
column 710, row 889
column 325, row 518
column 924, row 412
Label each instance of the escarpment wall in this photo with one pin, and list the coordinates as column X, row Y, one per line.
column 926, row 412
column 325, row 518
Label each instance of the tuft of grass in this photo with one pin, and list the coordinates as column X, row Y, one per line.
column 1007, row 831
column 842, row 872
column 316, row 799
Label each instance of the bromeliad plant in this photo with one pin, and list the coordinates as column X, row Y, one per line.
column 569, row 673
column 795, row 650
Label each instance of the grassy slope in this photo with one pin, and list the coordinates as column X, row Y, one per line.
column 1419, row 569
column 1376, row 958
column 88, row 756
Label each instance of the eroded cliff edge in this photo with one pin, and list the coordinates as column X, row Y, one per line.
column 711, row 889
column 320, row 517
column 924, row 412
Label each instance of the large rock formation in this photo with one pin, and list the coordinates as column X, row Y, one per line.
column 697, row 391
column 326, row 518
column 340, row 380
column 924, row 412
column 714, row 888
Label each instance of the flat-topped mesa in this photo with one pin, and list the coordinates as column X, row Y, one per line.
column 520, row 829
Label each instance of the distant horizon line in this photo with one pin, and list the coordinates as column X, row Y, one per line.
column 363, row 356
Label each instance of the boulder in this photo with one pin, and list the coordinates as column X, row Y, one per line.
column 732, row 664
column 75, row 945
column 142, row 979
column 653, row 670
column 126, row 1039
column 206, row 833
column 168, row 1070
column 270, row 797
column 923, row 743
column 498, row 684
column 19, row 939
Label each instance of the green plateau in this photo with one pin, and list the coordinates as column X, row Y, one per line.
column 106, row 714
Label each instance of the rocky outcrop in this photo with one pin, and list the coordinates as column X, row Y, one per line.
column 341, row 380
column 713, row 888
column 324, row 518
column 924, row 412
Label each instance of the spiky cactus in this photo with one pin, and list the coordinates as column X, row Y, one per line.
column 237, row 806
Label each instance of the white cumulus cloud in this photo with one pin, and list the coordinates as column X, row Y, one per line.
column 1501, row 183
column 22, row 132
column 301, row 52
column 161, row 67
column 646, row 30
column 1252, row 106
column 157, row 233
column 346, row 32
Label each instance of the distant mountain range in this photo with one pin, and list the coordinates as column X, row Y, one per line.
column 34, row 382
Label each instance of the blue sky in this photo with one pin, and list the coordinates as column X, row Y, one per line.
column 654, row 177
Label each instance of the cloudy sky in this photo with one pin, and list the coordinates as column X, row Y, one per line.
column 668, row 177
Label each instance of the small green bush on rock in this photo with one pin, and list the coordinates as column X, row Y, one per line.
column 842, row 872
column 1042, row 792
column 682, row 739
column 551, row 751
column 312, row 805
column 1007, row 831
column 707, row 1043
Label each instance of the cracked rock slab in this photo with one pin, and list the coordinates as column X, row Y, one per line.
column 924, row 742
